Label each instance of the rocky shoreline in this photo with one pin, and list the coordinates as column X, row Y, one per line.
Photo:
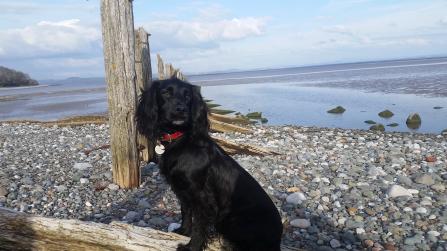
column 336, row 189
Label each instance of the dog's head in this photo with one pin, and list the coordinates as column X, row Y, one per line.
column 171, row 104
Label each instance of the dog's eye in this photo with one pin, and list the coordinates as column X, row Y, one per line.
column 186, row 94
column 166, row 92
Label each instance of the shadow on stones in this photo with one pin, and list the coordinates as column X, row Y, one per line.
column 147, row 206
column 155, row 205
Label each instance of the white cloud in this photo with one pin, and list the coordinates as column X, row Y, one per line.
column 203, row 34
column 443, row 21
column 49, row 39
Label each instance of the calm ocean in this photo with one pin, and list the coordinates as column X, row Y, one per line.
column 295, row 96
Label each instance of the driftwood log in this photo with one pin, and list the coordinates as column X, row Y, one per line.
column 242, row 148
column 20, row 231
column 219, row 126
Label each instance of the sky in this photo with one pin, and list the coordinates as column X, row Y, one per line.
column 55, row 39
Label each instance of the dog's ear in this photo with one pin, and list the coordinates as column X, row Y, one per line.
column 147, row 112
column 199, row 112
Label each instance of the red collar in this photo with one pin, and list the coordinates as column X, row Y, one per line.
column 170, row 137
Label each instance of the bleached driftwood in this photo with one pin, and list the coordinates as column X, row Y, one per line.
column 25, row 232
column 242, row 148
column 229, row 119
column 219, row 126
column 19, row 231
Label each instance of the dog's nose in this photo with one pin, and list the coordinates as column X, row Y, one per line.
column 181, row 108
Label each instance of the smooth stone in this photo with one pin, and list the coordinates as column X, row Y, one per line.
column 300, row 223
column 414, row 121
column 421, row 210
column 375, row 171
column 61, row 188
column 142, row 223
column 434, row 233
column 143, row 203
column 84, row 180
column 82, row 166
column 98, row 216
column 425, row 179
column 296, row 198
column 386, row 114
column 325, row 180
column 108, row 175
column 352, row 224
column 360, row 231
column 3, row 191
column 348, row 237
column 325, row 199
column 404, row 180
column 173, row 226
column 27, row 181
column 377, row 127
column 411, row 241
column 113, row 187
column 335, row 243
column 131, row 216
column 398, row 191
column 157, row 221
column 438, row 187
column 337, row 110
column 413, row 191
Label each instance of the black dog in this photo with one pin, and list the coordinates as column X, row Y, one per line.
column 214, row 191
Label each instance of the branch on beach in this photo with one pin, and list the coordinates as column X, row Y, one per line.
column 88, row 151
column 241, row 148
column 218, row 126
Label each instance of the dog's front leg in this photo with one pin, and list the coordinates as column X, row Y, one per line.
column 186, row 227
column 199, row 235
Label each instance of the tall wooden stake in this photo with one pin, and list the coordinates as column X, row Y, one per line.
column 144, row 79
column 119, row 59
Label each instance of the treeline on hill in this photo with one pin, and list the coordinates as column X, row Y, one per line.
column 12, row 78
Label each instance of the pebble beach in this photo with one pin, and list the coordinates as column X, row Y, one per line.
column 336, row 189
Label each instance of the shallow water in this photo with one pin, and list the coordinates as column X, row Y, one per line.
column 298, row 96
column 290, row 103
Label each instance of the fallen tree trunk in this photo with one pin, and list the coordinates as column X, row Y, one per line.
column 19, row 231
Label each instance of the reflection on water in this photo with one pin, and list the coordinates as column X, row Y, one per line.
column 294, row 104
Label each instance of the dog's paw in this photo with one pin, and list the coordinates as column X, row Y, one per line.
column 183, row 231
column 183, row 247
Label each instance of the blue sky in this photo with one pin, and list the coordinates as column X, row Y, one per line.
column 60, row 39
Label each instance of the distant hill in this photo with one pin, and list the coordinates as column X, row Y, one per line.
column 13, row 78
column 75, row 81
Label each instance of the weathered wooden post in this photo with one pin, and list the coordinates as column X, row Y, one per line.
column 144, row 79
column 119, row 60
column 160, row 67
column 166, row 71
